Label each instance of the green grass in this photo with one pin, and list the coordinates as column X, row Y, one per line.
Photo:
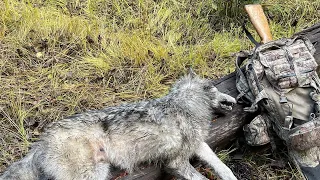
column 62, row 57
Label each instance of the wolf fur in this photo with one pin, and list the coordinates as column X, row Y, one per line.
column 169, row 130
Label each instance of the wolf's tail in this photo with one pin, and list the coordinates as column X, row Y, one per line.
column 25, row 169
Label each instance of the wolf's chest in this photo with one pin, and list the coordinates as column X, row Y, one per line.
column 192, row 131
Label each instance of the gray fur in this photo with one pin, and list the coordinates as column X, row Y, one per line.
column 167, row 130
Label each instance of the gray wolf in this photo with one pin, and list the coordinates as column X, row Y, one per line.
column 168, row 130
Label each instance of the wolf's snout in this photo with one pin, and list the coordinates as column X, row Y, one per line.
column 226, row 102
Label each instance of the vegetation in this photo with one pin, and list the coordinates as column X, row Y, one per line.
column 60, row 57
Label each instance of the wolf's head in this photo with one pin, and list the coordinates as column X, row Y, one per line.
column 192, row 88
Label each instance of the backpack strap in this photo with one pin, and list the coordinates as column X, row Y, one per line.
column 245, row 96
column 270, row 133
column 288, row 120
column 254, row 106
column 316, row 82
column 315, row 96
column 249, row 35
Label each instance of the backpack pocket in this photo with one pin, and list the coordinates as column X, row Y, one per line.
column 256, row 133
column 279, row 72
column 288, row 66
column 305, row 136
column 305, row 67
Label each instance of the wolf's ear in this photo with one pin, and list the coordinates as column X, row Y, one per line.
column 191, row 73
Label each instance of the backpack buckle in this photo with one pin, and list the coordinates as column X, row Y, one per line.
column 288, row 121
column 283, row 99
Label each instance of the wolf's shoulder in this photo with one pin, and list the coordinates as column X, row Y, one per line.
column 143, row 111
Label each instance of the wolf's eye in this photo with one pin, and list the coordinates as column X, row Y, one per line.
column 207, row 87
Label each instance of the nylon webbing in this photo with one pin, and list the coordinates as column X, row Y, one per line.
column 249, row 35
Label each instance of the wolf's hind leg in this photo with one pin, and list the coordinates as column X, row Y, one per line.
column 75, row 158
column 184, row 170
column 205, row 153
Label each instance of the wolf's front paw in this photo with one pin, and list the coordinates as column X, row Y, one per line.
column 228, row 175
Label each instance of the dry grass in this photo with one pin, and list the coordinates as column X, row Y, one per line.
column 61, row 57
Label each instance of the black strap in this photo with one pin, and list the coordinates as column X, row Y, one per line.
column 271, row 132
column 298, row 121
column 249, row 35
column 241, row 57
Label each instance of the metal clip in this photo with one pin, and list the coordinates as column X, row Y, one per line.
column 312, row 116
column 283, row 99
column 288, row 121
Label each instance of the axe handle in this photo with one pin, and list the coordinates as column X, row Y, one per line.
column 259, row 21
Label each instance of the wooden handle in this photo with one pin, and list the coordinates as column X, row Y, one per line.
column 259, row 21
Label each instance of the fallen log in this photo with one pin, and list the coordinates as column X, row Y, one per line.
column 224, row 128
